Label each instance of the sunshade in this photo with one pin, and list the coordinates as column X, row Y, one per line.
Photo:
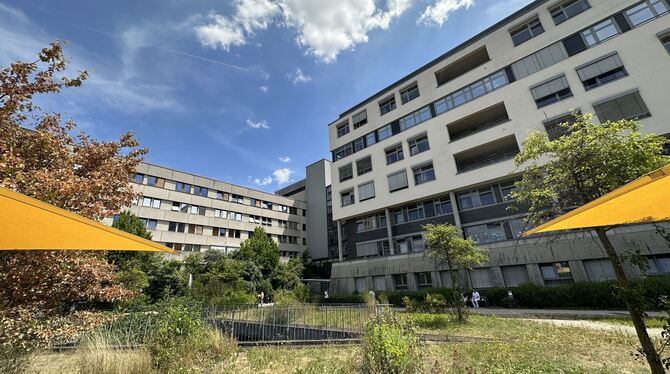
column 644, row 200
column 30, row 224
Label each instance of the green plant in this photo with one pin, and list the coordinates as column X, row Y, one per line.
column 390, row 345
column 14, row 359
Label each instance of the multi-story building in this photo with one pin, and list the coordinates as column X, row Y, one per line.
column 190, row 213
column 437, row 145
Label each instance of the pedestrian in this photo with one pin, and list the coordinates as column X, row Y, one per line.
column 261, row 297
column 325, row 294
column 475, row 299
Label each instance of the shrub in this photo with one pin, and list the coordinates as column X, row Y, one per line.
column 14, row 359
column 390, row 345
column 97, row 355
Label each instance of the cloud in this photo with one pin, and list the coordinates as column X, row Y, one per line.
column 282, row 176
column 298, row 77
column 437, row 13
column 258, row 125
column 264, row 89
column 323, row 28
column 262, row 182
column 285, row 159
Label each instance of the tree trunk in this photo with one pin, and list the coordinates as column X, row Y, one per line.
column 634, row 308
column 456, row 294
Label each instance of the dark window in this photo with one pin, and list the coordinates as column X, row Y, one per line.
column 182, row 187
column 443, row 207
column 200, row 191
column 394, row 154
column 155, row 181
column 567, row 10
column 384, row 132
column 342, row 129
column 364, row 165
column 342, row 152
column 138, row 178
column 665, row 40
column 574, row 44
column 418, row 145
column 387, row 105
column 556, row 273
column 424, row 280
column 629, row 106
column 486, row 233
column 476, row 198
column 602, row 71
column 360, row 119
column 415, row 118
column 346, row 172
column 359, row 144
column 410, row 93
column 527, row 31
column 423, row 174
column 415, row 212
column 552, row 91
column 347, row 197
column 400, row 282
column 558, row 127
column 176, row 226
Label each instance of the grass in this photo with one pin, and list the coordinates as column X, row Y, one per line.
column 516, row 347
column 96, row 356
column 651, row 323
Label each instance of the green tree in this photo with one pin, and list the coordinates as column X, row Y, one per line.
column 132, row 224
column 587, row 162
column 445, row 245
column 260, row 249
column 287, row 276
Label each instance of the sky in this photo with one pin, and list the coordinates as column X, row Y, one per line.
column 239, row 90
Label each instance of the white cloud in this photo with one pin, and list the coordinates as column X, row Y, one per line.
column 298, row 77
column 324, row 28
column 264, row 89
column 258, row 125
column 437, row 13
column 262, row 182
column 285, row 159
column 282, row 176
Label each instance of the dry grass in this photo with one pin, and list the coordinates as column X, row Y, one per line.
column 98, row 356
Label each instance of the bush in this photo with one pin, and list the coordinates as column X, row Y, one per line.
column 14, row 359
column 98, row 355
column 390, row 345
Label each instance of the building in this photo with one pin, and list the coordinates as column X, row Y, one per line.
column 190, row 213
column 437, row 145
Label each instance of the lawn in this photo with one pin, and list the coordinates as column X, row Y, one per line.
column 512, row 346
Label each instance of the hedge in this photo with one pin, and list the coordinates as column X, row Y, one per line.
column 585, row 295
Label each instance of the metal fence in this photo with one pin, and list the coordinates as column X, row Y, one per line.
column 304, row 323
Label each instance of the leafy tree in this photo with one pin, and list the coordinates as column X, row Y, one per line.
column 445, row 245
column 287, row 276
column 589, row 161
column 132, row 224
column 260, row 249
column 40, row 157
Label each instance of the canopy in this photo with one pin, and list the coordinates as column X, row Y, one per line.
column 644, row 200
column 30, row 224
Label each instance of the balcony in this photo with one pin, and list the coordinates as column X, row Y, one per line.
column 462, row 65
column 482, row 120
column 487, row 154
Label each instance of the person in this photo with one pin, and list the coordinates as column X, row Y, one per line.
column 475, row 299
column 261, row 297
column 325, row 294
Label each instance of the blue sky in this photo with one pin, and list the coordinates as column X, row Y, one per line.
column 241, row 90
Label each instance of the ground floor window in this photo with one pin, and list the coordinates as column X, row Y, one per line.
column 424, row 280
column 515, row 275
column 400, row 282
column 556, row 273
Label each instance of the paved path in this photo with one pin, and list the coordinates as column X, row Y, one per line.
column 558, row 313
column 629, row 330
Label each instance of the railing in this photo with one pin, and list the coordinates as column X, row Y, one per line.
column 468, row 165
column 270, row 324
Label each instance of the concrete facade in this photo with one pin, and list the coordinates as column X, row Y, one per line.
column 442, row 151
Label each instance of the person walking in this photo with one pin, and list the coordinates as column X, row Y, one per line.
column 475, row 299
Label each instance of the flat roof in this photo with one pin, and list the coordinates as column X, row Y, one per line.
column 445, row 55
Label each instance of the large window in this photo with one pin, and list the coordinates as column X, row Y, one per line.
column 473, row 199
column 558, row 126
column 379, row 282
column 366, row 191
column 415, row 118
column 628, row 106
column 415, row 213
column 176, row 226
column 359, row 119
column 424, row 173
column 515, row 275
column 343, row 151
column 552, row 91
column 360, row 283
column 151, row 203
column 443, row 207
column 368, row 223
column 138, row 178
column 646, row 11
column 155, row 181
column 182, row 187
column 397, row 181
column 410, row 93
column 599, row 270
column 387, row 105
column 346, row 172
column 394, row 154
column 602, row 71
column 347, row 197
column 556, row 273
column 200, row 191
column 568, row 9
column 384, row 132
column 481, row 278
column 364, row 165
column 527, row 31
column 424, row 280
column 367, row 249
column 486, row 233
column 471, row 92
column 658, row 264
column 600, row 32
column 342, row 129
column 418, row 144
column 200, row 210
column 400, row 282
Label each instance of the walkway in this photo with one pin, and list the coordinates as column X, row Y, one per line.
column 558, row 313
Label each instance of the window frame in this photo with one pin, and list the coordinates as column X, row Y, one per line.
column 406, row 93
column 422, row 171
column 387, row 102
column 403, row 171
column 351, row 197
column 567, row 4
column 360, row 123
column 342, row 129
column 360, row 198
column 397, row 150
column 344, row 168
column 526, row 26
column 416, row 142
column 360, row 171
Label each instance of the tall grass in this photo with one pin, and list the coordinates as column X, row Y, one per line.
column 99, row 354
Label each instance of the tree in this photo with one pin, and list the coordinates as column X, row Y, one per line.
column 260, row 249
column 589, row 161
column 132, row 224
column 445, row 245
column 41, row 158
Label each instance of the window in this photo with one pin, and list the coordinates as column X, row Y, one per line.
column 192, row 247
column 418, row 144
column 567, row 10
column 234, row 233
column 367, row 249
column 410, row 93
column 481, row 278
column 556, row 273
column 424, row 280
column 150, row 224
column 599, row 270
column 176, row 226
column 515, row 275
column 394, row 154
column 600, row 32
column 415, row 212
column 400, row 282
column 359, row 119
column 558, row 126
column 545, row 57
column 505, row 189
column 415, row 118
column 342, row 129
column 237, row 199
column 175, row 206
column 219, row 195
column 370, row 139
column 443, row 207
column 627, row 106
column 366, row 191
column 366, row 224
column 486, row 233
column 423, row 174
column 346, row 172
column 152, row 203
column 360, row 283
column 387, row 105
column 379, row 282
column 155, row 181
column 194, row 229
column 398, row 216
column 138, row 178
column 519, row 226
column 665, row 40
column 658, row 264
column 347, row 197
column 476, row 198
column 602, row 71
column 343, row 152
column 182, row 187
column 554, row 90
column 198, row 210
column 527, row 31
column 471, row 92
column 384, row 132
column 446, row 278
column 200, row 191
column 234, row 216
column 418, row 245
column 218, row 231
column 645, row 11
column 364, row 165
column 397, row 181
